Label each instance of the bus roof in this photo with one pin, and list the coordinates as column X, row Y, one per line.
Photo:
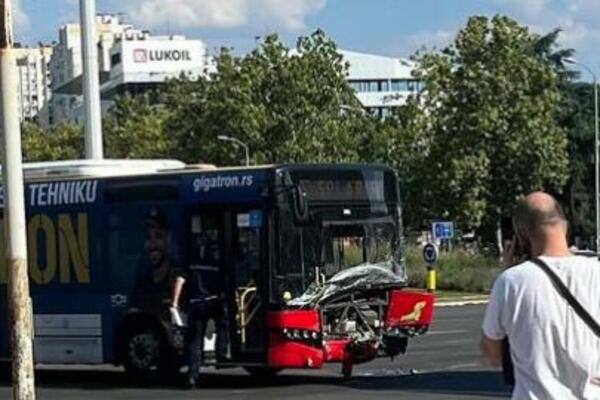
column 100, row 168
column 106, row 168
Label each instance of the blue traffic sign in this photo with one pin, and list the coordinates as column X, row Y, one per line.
column 442, row 230
column 430, row 253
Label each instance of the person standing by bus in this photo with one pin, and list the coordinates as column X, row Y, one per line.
column 204, row 287
column 156, row 279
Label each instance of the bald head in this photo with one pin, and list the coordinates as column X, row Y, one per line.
column 536, row 212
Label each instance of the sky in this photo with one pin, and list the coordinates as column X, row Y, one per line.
column 388, row 27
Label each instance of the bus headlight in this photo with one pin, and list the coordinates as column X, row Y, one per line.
column 286, row 296
column 312, row 338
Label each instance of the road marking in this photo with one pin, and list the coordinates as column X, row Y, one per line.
column 461, row 303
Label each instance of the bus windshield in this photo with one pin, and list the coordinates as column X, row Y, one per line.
column 354, row 220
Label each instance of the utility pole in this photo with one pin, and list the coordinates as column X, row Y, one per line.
column 14, row 217
column 91, row 86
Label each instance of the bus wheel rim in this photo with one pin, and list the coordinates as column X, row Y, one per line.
column 144, row 351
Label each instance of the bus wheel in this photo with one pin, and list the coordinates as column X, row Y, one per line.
column 144, row 355
column 263, row 373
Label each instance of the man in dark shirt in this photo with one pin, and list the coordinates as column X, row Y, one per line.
column 155, row 281
column 204, row 287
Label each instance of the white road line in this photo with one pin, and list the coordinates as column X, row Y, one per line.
column 461, row 303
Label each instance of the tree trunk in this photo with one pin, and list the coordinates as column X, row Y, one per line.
column 499, row 238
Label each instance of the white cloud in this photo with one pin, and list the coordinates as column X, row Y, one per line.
column 408, row 45
column 289, row 14
column 21, row 21
column 186, row 13
column 286, row 14
column 577, row 19
column 528, row 7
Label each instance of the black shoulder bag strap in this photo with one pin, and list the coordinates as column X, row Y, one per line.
column 564, row 292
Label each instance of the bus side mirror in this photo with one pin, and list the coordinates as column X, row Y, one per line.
column 300, row 205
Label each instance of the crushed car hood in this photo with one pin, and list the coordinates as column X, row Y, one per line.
column 361, row 277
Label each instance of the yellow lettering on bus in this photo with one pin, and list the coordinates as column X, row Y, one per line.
column 74, row 248
column 41, row 224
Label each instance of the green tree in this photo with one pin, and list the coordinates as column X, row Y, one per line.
column 60, row 142
column 134, row 128
column 402, row 142
column 577, row 119
column 492, row 102
column 287, row 105
column 578, row 122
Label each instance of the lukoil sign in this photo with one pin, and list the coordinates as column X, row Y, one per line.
column 146, row 55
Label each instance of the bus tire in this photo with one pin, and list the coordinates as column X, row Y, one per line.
column 145, row 353
column 263, row 373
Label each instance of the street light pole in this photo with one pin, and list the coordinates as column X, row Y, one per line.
column 239, row 143
column 19, row 299
column 596, row 148
column 91, row 86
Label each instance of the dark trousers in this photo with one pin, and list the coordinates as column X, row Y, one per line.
column 198, row 315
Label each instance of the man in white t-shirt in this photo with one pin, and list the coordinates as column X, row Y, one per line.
column 554, row 353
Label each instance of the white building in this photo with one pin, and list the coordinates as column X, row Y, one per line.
column 380, row 82
column 142, row 65
column 34, row 81
column 66, row 63
column 130, row 60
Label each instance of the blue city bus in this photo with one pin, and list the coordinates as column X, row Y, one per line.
column 310, row 257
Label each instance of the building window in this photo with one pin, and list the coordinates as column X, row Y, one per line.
column 399, row 85
column 115, row 59
column 384, row 86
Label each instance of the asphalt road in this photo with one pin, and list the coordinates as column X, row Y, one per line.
column 444, row 364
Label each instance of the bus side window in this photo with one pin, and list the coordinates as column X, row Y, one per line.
column 247, row 256
column 125, row 254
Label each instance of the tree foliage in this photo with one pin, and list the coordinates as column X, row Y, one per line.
column 578, row 122
column 134, row 128
column 60, row 142
column 286, row 105
column 492, row 104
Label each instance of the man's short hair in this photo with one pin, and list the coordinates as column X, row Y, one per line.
column 530, row 218
column 156, row 218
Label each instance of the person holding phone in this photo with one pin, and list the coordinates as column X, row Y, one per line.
column 554, row 352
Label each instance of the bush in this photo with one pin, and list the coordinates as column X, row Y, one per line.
column 459, row 270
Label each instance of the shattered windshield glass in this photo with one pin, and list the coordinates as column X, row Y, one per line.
column 346, row 254
column 350, row 243
column 354, row 224
column 361, row 277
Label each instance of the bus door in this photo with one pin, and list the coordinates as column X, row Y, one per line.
column 235, row 236
column 207, row 254
column 248, row 279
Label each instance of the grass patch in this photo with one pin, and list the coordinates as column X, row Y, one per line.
column 459, row 270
